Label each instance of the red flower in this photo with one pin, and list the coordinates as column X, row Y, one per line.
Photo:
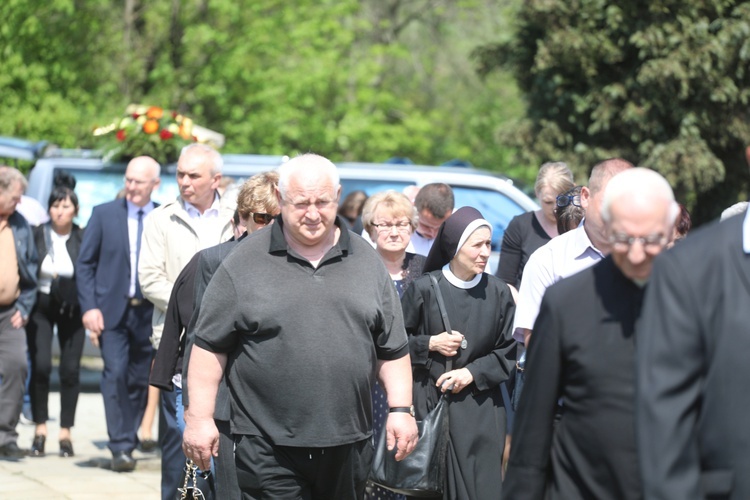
column 165, row 134
column 120, row 135
column 135, row 116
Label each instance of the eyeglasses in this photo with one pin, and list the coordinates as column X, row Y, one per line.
column 261, row 219
column 651, row 244
column 401, row 227
column 564, row 200
column 134, row 181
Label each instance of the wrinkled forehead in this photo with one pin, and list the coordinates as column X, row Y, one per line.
column 312, row 186
column 639, row 213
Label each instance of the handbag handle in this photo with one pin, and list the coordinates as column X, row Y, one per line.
column 444, row 314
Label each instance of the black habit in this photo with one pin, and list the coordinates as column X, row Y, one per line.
column 583, row 352
column 484, row 315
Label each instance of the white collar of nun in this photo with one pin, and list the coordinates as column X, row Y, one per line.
column 459, row 283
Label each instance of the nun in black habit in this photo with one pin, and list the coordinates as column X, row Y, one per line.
column 480, row 309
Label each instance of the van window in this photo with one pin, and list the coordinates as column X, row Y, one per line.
column 497, row 208
column 371, row 187
column 95, row 187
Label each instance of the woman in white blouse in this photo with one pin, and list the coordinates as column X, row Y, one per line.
column 58, row 242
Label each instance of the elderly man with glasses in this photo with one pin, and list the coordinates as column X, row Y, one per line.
column 583, row 353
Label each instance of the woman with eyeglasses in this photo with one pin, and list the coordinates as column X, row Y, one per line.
column 390, row 218
column 58, row 243
column 529, row 231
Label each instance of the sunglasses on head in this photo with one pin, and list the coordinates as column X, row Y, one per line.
column 259, row 218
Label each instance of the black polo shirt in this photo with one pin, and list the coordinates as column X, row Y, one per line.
column 303, row 342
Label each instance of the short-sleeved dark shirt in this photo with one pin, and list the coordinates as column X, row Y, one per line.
column 523, row 236
column 303, row 342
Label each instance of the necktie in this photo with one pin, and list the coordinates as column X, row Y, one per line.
column 139, row 233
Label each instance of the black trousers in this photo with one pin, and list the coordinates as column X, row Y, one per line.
column 266, row 471
column 71, row 336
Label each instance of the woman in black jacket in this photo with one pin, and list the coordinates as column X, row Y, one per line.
column 58, row 243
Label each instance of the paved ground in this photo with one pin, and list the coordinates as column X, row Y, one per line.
column 87, row 475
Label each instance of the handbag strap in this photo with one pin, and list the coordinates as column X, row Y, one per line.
column 444, row 314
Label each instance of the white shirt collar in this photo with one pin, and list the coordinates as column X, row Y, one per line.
column 212, row 211
column 746, row 233
column 459, row 283
column 133, row 208
column 582, row 242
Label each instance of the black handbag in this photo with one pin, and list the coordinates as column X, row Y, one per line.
column 422, row 472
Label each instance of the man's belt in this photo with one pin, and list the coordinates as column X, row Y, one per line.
column 134, row 302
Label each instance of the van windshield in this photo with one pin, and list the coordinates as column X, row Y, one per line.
column 100, row 186
column 496, row 207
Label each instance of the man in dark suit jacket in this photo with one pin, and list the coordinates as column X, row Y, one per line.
column 114, row 311
column 583, row 352
column 693, row 347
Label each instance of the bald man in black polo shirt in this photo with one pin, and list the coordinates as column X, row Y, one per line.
column 308, row 314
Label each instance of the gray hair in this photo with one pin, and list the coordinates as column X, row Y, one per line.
column 604, row 171
column 217, row 162
column 10, row 176
column 639, row 180
column 304, row 163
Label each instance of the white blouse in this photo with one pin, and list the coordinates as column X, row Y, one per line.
column 57, row 262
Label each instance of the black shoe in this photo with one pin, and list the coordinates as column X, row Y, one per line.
column 11, row 450
column 66, row 448
column 148, row 445
column 123, row 461
column 37, row 446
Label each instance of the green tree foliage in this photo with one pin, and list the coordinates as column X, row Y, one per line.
column 352, row 79
column 664, row 83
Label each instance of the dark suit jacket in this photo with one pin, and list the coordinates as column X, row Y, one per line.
column 209, row 262
column 103, row 265
column 583, row 351
column 694, row 369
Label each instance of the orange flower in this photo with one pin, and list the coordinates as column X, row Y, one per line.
column 151, row 126
column 155, row 112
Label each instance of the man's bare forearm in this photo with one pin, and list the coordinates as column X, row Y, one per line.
column 395, row 377
column 205, row 372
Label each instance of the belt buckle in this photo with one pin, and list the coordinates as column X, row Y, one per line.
column 134, row 302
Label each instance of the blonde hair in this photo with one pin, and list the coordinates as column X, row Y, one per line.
column 258, row 193
column 555, row 175
column 398, row 203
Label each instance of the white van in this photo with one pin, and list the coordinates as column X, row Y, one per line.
column 496, row 196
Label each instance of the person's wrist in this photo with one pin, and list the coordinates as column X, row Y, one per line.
column 409, row 410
